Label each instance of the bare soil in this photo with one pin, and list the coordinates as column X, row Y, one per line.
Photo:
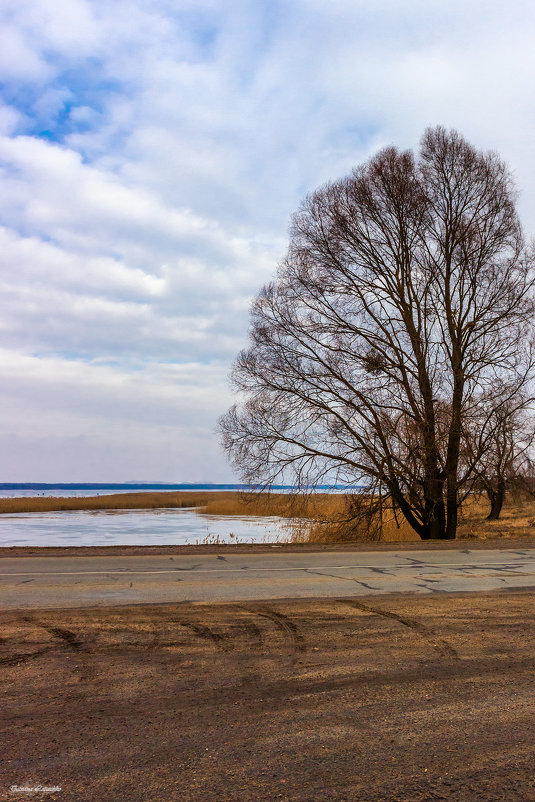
column 398, row 698
column 265, row 548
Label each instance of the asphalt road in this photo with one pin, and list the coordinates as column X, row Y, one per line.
column 68, row 582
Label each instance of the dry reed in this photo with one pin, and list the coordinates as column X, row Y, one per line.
column 117, row 501
column 213, row 503
column 325, row 517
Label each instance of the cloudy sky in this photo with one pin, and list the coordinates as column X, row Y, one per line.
column 151, row 153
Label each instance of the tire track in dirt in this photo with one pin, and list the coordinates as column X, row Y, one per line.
column 439, row 644
column 222, row 640
column 252, row 632
column 85, row 666
column 285, row 625
column 66, row 636
column 16, row 659
column 232, row 641
column 225, row 640
column 202, row 631
column 69, row 638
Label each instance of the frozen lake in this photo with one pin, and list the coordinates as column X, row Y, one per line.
column 138, row 528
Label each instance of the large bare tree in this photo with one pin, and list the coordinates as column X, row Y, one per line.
column 405, row 296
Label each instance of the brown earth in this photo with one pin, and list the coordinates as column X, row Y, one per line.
column 265, row 548
column 398, row 698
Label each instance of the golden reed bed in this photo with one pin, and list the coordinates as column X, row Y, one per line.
column 218, row 503
column 326, row 516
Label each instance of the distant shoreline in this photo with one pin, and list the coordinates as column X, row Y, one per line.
column 166, row 486
column 94, row 490
column 126, row 486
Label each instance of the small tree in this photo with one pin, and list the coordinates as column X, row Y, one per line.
column 406, row 294
column 506, row 463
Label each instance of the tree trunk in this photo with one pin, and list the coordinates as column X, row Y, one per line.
column 496, row 497
column 435, row 527
column 438, row 524
column 452, row 514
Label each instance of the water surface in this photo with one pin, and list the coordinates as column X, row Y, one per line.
column 138, row 528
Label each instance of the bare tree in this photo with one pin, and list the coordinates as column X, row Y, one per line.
column 505, row 464
column 405, row 296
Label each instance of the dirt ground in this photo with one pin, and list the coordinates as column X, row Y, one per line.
column 265, row 548
column 398, row 698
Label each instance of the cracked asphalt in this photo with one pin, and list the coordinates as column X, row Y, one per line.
column 78, row 581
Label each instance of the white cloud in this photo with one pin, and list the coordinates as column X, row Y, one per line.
column 123, row 419
column 150, row 157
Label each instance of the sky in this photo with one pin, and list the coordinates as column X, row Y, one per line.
column 151, row 155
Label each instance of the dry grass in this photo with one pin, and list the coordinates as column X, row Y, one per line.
column 117, row 501
column 322, row 505
column 325, row 516
column 314, row 506
column 340, row 528
column 517, row 519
